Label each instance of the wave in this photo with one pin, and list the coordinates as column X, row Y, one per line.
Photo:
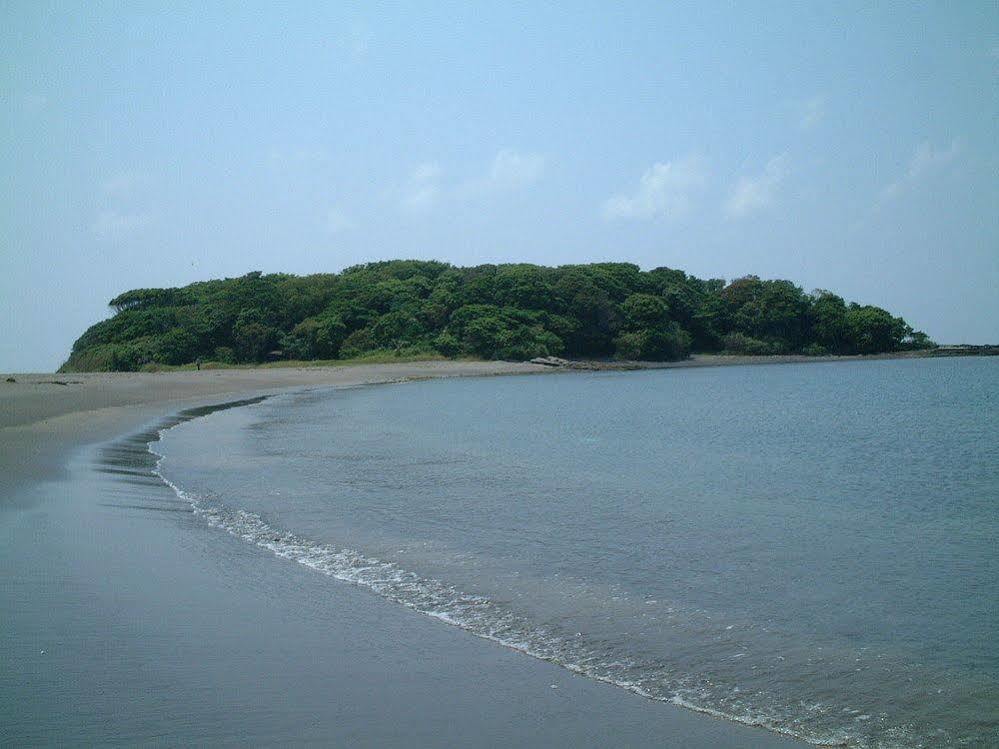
column 481, row 616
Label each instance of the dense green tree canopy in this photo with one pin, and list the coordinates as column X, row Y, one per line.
column 515, row 311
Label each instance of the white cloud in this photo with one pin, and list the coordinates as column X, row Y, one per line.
column 925, row 161
column 422, row 190
column 927, row 158
column 511, row 169
column 752, row 194
column 811, row 112
column 665, row 190
column 110, row 225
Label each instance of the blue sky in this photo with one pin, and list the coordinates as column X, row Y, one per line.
column 842, row 146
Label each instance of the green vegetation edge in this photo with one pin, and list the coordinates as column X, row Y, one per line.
column 401, row 310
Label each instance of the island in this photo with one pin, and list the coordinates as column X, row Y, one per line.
column 417, row 308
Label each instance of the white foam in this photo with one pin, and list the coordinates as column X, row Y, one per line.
column 479, row 615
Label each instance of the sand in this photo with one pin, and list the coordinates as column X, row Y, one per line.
column 44, row 416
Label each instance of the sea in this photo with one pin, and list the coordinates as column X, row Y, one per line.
column 810, row 548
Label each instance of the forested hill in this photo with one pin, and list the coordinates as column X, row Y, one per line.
column 490, row 311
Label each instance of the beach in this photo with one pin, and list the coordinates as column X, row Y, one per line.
column 124, row 624
column 45, row 416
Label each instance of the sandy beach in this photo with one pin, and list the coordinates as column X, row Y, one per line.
column 124, row 628
column 43, row 416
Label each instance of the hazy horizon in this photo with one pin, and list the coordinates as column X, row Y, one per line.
column 842, row 147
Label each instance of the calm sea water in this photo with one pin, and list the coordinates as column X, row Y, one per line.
column 811, row 548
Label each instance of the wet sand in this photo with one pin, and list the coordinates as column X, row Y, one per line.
column 160, row 630
column 44, row 416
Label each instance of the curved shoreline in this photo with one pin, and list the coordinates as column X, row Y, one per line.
column 435, row 599
column 42, row 423
column 525, row 691
column 38, row 450
column 44, row 417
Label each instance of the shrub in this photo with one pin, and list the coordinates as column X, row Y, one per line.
column 315, row 338
column 447, row 345
column 740, row 343
column 224, row 355
column 665, row 343
column 357, row 343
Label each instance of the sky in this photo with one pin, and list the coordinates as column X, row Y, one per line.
column 845, row 146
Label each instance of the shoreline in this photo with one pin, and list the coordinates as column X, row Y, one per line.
column 46, row 428
column 47, row 464
column 44, row 416
column 27, row 398
column 42, row 421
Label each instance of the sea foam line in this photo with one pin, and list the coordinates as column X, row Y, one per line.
column 475, row 614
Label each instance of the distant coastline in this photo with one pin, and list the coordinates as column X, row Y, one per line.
column 723, row 360
column 32, row 397
column 965, row 349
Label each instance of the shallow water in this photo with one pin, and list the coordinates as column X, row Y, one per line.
column 127, row 620
column 811, row 548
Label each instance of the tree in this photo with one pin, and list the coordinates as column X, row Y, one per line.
column 316, row 338
column 872, row 330
column 177, row 346
column 828, row 322
column 253, row 338
column 508, row 311
column 645, row 311
column 666, row 343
